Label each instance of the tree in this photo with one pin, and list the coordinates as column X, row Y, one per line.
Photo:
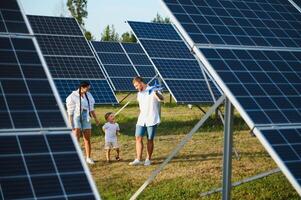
column 109, row 34
column 128, row 37
column 78, row 9
column 89, row 36
column 160, row 19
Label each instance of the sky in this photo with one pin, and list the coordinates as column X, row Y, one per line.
column 101, row 12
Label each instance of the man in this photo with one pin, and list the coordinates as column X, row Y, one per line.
column 149, row 117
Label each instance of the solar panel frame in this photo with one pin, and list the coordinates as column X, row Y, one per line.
column 60, row 57
column 169, row 55
column 40, row 161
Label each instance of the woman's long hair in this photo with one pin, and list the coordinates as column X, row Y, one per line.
column 83, row 84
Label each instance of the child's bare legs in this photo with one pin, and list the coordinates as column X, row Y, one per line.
column 108, row 154
column 117, row 152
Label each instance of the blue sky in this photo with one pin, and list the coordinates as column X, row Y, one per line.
column 101, row 12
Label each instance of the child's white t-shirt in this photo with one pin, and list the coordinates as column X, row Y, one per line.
column 111, row 131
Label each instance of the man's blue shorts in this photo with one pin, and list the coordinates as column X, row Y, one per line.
column 151, row 131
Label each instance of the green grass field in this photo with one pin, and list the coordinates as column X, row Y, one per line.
column 196, row 169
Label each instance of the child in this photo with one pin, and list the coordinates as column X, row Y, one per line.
column 111, row 130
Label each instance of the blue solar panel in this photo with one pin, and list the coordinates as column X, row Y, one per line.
column 99, row 89
column 267, row 84
column 140, row 60
column 123, row 84
column 42, row 166
column 69, row 56
column 11, row 19
column 70, row 67
column 145, row 31
column 133, row 48
column 107, row 47
column 285, row 145
column 26, row 96
column 179, row 69
column 166, row 49
column 117, row 65
column 114, row 59
column 250, row 23
column 262, row 76
column 62, row 25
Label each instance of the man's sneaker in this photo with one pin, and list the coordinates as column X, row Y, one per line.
column 147, row 162
column 135, row 162
column 90, row 161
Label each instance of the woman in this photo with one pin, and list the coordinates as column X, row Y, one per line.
column 80, row 106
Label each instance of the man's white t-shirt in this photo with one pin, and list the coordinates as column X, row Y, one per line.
column 110, row 131
column 149, row 108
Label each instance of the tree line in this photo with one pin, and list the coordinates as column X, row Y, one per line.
column 78, row 9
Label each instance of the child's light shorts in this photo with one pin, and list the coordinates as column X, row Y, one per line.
column 111, row 145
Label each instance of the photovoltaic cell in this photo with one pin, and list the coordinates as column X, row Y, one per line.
column 179, row 69
column 272, row 23
column 69, row 57
column 42, row 166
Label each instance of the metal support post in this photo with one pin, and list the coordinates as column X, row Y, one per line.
column 228, row 142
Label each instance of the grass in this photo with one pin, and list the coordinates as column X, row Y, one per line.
column 196, row 169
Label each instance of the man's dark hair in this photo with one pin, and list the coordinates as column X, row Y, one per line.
column 138, row 79
column 107, row 115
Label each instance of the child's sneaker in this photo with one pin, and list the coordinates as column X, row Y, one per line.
column 135, row 162
column 90, row 161
column 147, row 162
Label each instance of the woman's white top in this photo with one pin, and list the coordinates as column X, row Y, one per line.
column 149, row 108
column 73, row 106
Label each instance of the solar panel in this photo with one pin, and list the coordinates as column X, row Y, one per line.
column 69, row 57
column 254, row 55
column 105, row 96
column 11, row 19
column 178, row 68
column 266, row 83
column 42, row 166
column 272, row 23
column 140, row 60
column 285, row 147
column 27, row 100
column 117, row 65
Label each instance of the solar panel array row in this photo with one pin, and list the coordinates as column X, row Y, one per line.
column 69, row 57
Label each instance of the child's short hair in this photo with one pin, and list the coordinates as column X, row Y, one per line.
column 107, row 115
